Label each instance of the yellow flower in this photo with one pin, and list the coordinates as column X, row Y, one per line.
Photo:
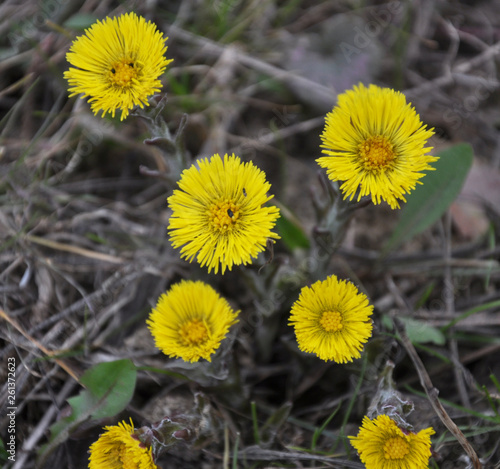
column 190, row 321
column 381, row 444
column 119, row 448
column 119, row 61
column 332, row 320
column 375, row 142
column 217, row 213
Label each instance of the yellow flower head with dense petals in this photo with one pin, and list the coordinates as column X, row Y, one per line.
column 381, row 444
column 119, row 448
column 218, row 214
column 375, row 144
column 119, row 61
column 190, row 321
column 332, row 319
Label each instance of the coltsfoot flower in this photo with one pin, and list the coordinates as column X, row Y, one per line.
column 218, row 215
column 190, row 321
column 375, row 144
column 332, row 319
column 381, row 444
column 119, row 448
column 119, row 61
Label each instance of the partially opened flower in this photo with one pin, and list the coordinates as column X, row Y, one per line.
column 375, row 143
column 332, row 319
column 119, row 448
column 218, row 213
column 190, row 321
column 118, row 62
column 381, row 444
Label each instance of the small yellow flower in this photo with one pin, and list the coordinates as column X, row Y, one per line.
column 190, row 321
column 218, row 214
column 375, row 142
column 332, row 319
column 381, row 444
column 119, row 448
column 119, row 61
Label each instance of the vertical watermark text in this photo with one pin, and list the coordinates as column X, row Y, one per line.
column 11, row 408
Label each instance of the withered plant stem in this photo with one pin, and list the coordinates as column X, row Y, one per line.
column 432, row 394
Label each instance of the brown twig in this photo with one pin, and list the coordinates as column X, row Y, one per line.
column 432, row 394
column 253, row 453
column 322, row 95
column 38, row 345
column 463, row 67
column 75, row 250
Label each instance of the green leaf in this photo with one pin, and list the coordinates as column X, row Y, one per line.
column 420, row 332
column 109, row 388
column 430, row 200
column 3, row 452
column 80, row 21
column 289, row 229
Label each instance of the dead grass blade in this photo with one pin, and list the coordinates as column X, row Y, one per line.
column 38, row 345
column 432, row 394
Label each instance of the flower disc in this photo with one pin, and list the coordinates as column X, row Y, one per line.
column 119, row 448
column 332, row 319
column 381, row 444
column 190, row 321
column 118, row 62
column 218, row 214
column 375, row 144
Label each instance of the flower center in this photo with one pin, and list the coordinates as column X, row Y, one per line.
column 224, row 215
column 127, row 457
column 376, row 153
column 123, row 73
column 396, row 448
column 193, row 332
column 331, row 321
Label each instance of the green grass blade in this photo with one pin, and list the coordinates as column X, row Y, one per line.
column 470, row 312
column 495, row 381
column 318, row 432
column 256, row 436
column 463, row 409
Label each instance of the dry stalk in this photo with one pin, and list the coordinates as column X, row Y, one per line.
column 37, row 344
column 432, row 394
